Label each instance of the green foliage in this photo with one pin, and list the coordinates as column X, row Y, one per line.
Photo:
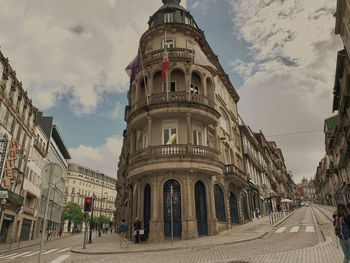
column 72, row 211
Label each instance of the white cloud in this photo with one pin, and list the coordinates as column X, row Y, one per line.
column 75, row 50
column 290, row 88
column 116, row 112
column 103, row 158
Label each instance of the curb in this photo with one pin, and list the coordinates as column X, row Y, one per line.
column 284, row 219
column 81, row 251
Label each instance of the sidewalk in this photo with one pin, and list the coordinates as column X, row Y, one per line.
column 28, row 243
column 109, row 244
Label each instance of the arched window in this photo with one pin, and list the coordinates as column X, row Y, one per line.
column 219, row 203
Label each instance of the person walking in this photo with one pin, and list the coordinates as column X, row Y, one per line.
column 123, row 228
column 342, row 231
column 137, row 227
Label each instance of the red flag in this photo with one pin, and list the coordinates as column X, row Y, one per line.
column 165, row 62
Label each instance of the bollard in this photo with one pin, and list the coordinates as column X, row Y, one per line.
column 10, row 243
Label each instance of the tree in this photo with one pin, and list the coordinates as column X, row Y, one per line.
column 72, row 211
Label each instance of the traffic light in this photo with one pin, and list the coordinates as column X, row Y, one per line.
column 87, row 204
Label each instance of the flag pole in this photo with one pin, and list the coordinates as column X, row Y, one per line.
column 143, row 73
column 166, row 74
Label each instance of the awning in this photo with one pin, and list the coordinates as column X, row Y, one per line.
column 253, row 186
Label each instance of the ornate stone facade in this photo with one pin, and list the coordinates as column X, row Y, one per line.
column 182, row 136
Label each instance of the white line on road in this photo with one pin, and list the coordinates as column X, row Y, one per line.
column 8, row 255
column 60, row 259
column 32, row 254
column 49, row 251
column 281, row 229
column 62, row 250
column 310, row 229
column 25, row 253
column 294, row 229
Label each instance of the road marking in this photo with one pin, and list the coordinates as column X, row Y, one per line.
column 281, row 229
column 294, row 229
column 49, row 251
column 20, row 255
column 32, row 254
column 60, row 259
column 9, row 255
column 64, row 249
column 310, row 229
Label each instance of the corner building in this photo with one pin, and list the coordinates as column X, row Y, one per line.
column 185, row 137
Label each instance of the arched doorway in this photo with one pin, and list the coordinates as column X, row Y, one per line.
column 147, row 209
column 201, row 209
column 219, row 203
column 233, row 209
column 177, row 224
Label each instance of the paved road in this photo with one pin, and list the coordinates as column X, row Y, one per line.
column 54, row 251
column 294, row 241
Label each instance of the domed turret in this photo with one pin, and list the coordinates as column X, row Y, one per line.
column 171, row 12
column 165, row 2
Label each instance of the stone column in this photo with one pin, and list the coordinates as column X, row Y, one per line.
column 188, row 78
column 149, row 84
column 149, row 135
column 191, row 220
column 139, row 200
column 212, row 215
column 156, row 224
column 189, row 128
column 132, row 140
column 137, row 91
column 204, row 85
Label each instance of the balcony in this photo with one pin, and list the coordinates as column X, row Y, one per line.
column 235, row 172
column 13, row 197
column 179, row 98
column 176, row 156
column 175, row 54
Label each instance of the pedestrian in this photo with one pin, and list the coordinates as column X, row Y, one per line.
column 137, row 227
column 111, row 230
column 61, row 230
column 342, row 231
column 257, row 213
column 123, row 228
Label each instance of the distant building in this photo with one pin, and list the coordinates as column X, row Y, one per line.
column 57, row 153
column 84, row 182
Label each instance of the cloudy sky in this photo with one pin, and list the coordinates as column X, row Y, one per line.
column 280, row 55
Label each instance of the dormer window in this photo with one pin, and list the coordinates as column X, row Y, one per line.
column 187, row 20
column 168, row 18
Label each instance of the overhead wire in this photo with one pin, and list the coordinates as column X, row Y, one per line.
column 294, row 133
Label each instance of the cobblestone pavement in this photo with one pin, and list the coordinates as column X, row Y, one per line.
column 294, row 241
column 305, row 237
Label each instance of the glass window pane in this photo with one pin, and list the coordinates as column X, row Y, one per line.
column 166, row 136
column 200, row 140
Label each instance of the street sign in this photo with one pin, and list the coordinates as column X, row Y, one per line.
column 4, row 194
